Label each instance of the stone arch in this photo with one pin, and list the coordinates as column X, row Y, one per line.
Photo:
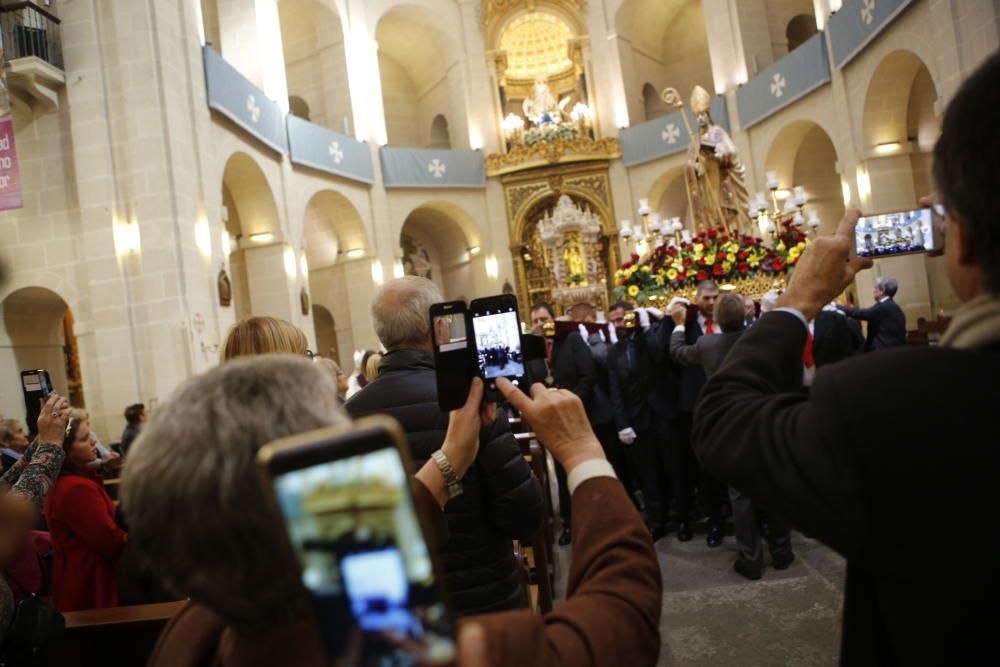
column 440, row 136
column 326, row 333
column 37, row 332
column 799, row 29
column 435, row 241
column 332, row 227
column 416, row 51
column 564, row 10
column 652, row 104
column 668, row 195
column 803, row 154
column 315, row 54
column 900, row 81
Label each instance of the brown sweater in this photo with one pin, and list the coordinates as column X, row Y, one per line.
column 611, row 615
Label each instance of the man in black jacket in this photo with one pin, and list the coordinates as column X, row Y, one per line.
column 572, row 367
column 889, row 459
column 886, row 320
column 500, row 500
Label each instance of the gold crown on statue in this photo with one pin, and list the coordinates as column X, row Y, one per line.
column 701, row 101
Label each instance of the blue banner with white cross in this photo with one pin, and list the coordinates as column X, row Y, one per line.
column 314, row 146
column 857, row 22
column 790, row 79
column 430, row 168
column 232, row 95
column 665, row 135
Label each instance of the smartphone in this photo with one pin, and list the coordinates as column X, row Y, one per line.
column 496, row 329
column 345, row 498
column 453, row 356
column 898, row 233
column 36, row 386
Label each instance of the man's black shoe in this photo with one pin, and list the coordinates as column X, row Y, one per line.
column 684, row 533
column 747, row 569
column 782, row 560
column 714, row 537
column 565, row 537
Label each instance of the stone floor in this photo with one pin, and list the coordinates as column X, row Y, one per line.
column 713, row 616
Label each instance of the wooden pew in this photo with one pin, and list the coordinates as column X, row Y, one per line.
column 116, row 637
column 539, row 564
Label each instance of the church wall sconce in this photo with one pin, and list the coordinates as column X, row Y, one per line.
column 263, row 237
column 355, row 253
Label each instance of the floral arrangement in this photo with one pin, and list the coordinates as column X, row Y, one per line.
column 577, row 279
column 714, row 254
column 550, row 132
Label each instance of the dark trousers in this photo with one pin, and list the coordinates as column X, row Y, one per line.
column 564, row 504
column 649, row 456
column 748, row 519
column 614, row 450
column 712, row 494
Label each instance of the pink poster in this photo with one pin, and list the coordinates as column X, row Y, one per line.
column 10, row 175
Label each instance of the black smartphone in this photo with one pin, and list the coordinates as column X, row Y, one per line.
column 344, row 493
column 453, row 354
column 496, row 330
column 36, row 386
column 898, row 233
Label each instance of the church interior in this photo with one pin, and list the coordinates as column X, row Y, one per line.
column 169, row 168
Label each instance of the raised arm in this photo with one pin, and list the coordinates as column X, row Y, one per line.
column 685, row 355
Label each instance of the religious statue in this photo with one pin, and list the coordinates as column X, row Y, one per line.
column 416, row 259
column 714, row 174
column 541, row 107
column 576, row 265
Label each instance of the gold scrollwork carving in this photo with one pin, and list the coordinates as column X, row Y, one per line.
column 552, row 152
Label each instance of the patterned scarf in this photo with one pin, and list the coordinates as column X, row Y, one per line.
column 976, row 324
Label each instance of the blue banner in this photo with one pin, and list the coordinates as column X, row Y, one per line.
column 312, row 145
column 793, row 77
column 857, row 22
column 665, row 135
column 245, row 104
column 429, row 168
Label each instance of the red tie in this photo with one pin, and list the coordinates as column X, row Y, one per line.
column 807, row 351
column 708, row 326
column 548, row 350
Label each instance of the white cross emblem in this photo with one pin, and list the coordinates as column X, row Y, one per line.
column 778, row 85
column 868, row 12
column 437, row 168
column 335, row 152
column 671, row 133
column 252, row 108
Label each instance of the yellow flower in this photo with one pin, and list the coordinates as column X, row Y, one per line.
column 753, row 260
column 731, row 257
column 709, row 260
column 794, row 252
column 672, row 274
column 646, row 269
column 659, row 280
column 699, row 248
column 726, row 266
column 633, row 291
column 801, row 246
column 677, row 266
column 780, row 247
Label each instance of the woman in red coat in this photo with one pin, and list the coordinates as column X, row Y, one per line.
column 86, row 541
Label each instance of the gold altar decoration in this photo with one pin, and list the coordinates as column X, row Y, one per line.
column 493, row 9
column 546, row 153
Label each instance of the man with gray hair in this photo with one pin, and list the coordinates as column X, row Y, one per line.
column 500, row 499
column 886, row 320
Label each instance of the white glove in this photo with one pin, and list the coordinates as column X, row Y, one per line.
column 676, row 300
column 612, row 336
column 655, row 312
column 600, row 332
column 643, row 317
column 583, row 331
column 627, row 436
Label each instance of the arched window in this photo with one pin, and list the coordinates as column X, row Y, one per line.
column 298, row 107
column 652, row 104
column 800, row 29
column 440, row 137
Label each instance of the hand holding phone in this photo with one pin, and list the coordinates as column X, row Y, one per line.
column 36, row 386
column 52, row 419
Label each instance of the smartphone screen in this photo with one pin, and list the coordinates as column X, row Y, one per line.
column 36, row 386
column 896, row 233
column 452, row 354
column 353, row 528
column 496, row 327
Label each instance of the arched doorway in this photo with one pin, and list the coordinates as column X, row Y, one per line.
column 668, row 196
column 799, row 30
column 652, row 103
column 38, row 334
column 334, row 239
column 440, row 137
column 435, row 244
column 803, row 154
column 252, row 224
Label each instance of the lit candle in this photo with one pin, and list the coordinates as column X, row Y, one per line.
column 772, row 180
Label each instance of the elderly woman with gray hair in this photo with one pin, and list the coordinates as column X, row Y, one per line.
column 198, row 510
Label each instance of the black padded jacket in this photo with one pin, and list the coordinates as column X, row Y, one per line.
column 501, row 500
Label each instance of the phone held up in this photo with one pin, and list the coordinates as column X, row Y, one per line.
column 36, row 386
column 344, row 495
column 899, row 233
column 483, row 339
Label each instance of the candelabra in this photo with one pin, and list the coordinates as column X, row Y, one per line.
column 770, row 216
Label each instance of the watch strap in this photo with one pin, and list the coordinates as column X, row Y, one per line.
column 452, row 484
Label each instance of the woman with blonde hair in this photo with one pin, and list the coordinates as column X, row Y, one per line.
column 338, row 375
column 264, row 335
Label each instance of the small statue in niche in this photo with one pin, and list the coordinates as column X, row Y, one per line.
column 576, row 265
column 304, row 301
column 225, row 288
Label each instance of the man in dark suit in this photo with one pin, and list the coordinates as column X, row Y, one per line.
column 888, row 460
column 644, row 402
column 712, row 493
column 572, row 367
column 834, row 338
column 886, row 320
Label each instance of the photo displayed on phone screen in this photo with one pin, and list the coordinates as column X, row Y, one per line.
column 498, row 343
column 353, row 528
column 895, row 233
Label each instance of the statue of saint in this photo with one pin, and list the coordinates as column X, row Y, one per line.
column 541, row 107
column 576, row 265
column 714, row 174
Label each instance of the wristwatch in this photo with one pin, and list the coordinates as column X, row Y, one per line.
column 452, row 484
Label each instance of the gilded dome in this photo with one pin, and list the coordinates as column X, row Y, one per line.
column 536, row 46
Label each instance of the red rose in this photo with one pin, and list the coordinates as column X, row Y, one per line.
column 701, row 262
column 718, row 270
column 635, row 257
column 720, row 255
column 778, row 264
column 702, row 275
column 680, row 276
column 627, row 265
column 712, row 233
column 686, row 261
column 742, row 254
column 801, row 237
column 744, row 267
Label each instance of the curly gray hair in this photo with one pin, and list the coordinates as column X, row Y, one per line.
column 401, row 311
column 193, row 494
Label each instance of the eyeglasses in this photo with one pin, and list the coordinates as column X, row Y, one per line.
column 310, row 354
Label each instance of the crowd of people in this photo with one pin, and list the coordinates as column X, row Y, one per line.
column 665, row 418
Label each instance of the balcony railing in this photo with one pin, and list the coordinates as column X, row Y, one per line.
column 28, row 30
